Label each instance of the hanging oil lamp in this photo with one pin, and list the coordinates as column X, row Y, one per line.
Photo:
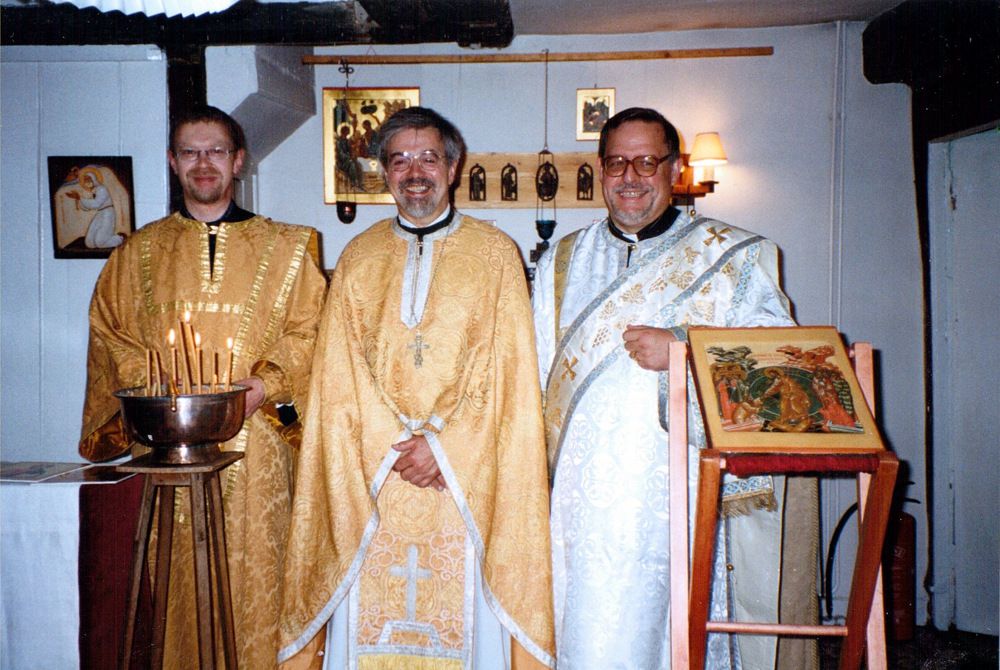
column 347, row 205
column 546, row 183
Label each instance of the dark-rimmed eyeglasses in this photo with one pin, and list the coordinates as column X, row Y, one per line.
column 429, row 160
column 215, row 154
column 644, row 166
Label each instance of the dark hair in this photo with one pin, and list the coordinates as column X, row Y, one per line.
column 209, row 114
column 417, row 118
column 646, row 115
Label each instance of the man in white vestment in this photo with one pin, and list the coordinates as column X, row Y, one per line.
column 608, row 299
column 419, row 534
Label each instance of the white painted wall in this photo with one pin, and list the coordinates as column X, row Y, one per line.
column 63, row 101
column 819, row 161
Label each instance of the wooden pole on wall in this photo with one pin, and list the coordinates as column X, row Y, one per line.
column 422, row 59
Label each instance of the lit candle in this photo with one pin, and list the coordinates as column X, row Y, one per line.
column 149, row 371
column 215, row 370
column 197, row 357
column 229, row 365
column 186, row 343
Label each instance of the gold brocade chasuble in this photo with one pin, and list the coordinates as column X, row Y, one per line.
column 407, row 555
column 265, row 291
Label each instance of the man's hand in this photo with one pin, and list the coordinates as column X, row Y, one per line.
column 417, row 464
column 255, row 394
column 648, row 346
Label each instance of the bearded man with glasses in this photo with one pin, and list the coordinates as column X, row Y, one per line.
column 420, row 529
column 608, row 299
column 242, row 277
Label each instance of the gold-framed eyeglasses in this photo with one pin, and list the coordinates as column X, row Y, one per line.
column 644, row 166
column 215, row 154
column 429, row 160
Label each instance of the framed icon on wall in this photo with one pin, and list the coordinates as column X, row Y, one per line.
column 351, row 119
column 594, row 106
column 93, row 209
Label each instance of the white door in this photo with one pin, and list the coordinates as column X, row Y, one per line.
column 964, row 210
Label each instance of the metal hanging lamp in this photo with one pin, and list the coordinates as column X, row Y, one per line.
column 347, row 205
column 546, row 182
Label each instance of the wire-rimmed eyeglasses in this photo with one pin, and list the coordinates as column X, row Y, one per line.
column 191, row 155
column 429, row 160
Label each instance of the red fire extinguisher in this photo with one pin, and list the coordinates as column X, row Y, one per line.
column 900, row 567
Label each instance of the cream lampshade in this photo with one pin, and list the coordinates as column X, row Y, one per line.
column 706, row 155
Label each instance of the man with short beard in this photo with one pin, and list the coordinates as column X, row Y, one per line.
column 608, row 300
column 242, row 277
column 420, row 528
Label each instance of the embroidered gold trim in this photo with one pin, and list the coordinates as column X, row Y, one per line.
column 277, row 316
column 564, row 251
column 146, row 274
column 195, row 307
column 213, row 279
column 233, row 471
column 205, row 259
column 256, row 287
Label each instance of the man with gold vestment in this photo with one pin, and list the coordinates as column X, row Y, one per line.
column 607, row 303
column 239, row 276
column 420, row 524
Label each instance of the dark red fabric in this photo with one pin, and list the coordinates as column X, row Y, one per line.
column 743, row 465
column 108, row 517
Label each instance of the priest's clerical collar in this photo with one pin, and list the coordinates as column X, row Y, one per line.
column 438, row 224
column 650, row 230
column 232, row 214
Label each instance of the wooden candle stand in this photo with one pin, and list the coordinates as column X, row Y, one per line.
column 208, row 528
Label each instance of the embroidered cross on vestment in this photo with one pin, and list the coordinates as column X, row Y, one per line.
column 717, row 235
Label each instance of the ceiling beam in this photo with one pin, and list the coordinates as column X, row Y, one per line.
column 423, row 59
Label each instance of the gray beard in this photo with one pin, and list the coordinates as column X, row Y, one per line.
column 417, row 210
column 635, row 220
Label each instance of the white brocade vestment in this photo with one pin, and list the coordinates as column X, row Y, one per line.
column 607, row 440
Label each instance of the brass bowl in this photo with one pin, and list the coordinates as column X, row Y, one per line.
column 182, row 429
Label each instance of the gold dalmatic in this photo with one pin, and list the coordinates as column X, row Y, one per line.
column 400, row 560
column 264, row 290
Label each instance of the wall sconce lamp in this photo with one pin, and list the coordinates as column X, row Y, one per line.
column 706, row 154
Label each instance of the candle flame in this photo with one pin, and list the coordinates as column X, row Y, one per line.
column 187, row 316
column 229, row 343
column 197, row 339
column 171, row 337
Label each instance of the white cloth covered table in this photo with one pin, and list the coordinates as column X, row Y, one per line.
column 39, row 590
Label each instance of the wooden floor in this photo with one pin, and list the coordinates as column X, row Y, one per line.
column 930, row 649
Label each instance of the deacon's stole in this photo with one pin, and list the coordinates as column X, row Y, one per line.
column 407, row 556
column 696, row 275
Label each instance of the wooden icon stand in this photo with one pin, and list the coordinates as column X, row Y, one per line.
column 876, row 475
column 208, row 527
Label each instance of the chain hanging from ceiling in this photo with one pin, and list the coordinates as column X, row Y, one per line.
column 347, row 205
column 546, row 181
